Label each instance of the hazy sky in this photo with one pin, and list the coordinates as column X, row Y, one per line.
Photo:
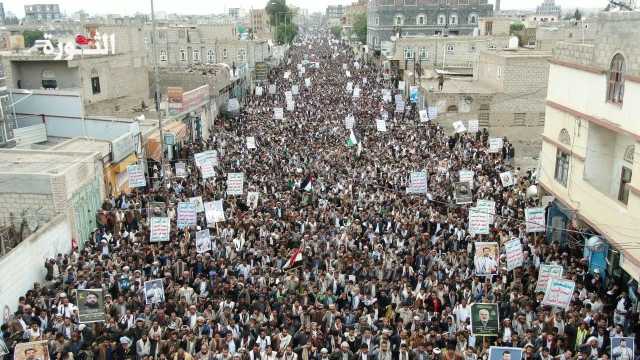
column 217, row 6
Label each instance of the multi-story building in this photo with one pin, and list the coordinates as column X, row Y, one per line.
column 234, row 13
column 387, row 18
column 335, row 12
column 259, row 23
column 38, row 13
column 548, row 8
column 506, row 95
column 2, row 15
column 590, row 144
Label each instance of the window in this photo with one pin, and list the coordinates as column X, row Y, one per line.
column 615, row 90
column 377, row 20
column 453, row 19
column 564, row 137
column 499, row 75
column 183, row 55
column 95, row 85
column 423, row 54
column 211, row 56
column 463, row 2
column 225, row 53
column 472, row 48
column 196, row 55
column 421, row 20
column 625, row 180
column 473, row 18
column 49, row 84
column 411, row 2
column 628, row 154
column 163, row 55
column 398, row 20
column 562, row 167
column 450, row 48
column 408, row 53
column 441, row 19
column 491, row 46
column 488, row 28
column 242, row 55
column 452, row 109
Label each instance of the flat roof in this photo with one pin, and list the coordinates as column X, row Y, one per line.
column 520, row 52
column 80, row 144
column 14, row 161
column 456, row 86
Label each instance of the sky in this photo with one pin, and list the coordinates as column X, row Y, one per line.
column 127, row 7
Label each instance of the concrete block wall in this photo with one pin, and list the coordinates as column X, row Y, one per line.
column 24, row 265
column 17, row 204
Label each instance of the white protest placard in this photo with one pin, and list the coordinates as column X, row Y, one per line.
column 206, row 156
column 349, row 122
column 381, row 125
column 203, row 241
column 495, row 145
column 418, row 183
column 356, row 92
column 400, row 106
column 344, row 66
column 287, row 74
column 559, row 292
column 252, row 199
column 259, row 90
column 235, row 183
column 432, row 111
column 488, row 207
column 424, row 117
column 291, row 106
column 181, row 169
column 364, row 81
column 307, row 82
column 136, row 176
column 478, row 222
column 251, row 142
column 187, row 215
column 515, row 258
column 207, row 169
column 386, row 95
column 507, row 179
column 459, row 127
column 160, row 229
column 535, row 219
column 295, row 89
column 278, row 113
column 197, row 200
column 401, row 85
column 349, row 86
column 466, row 175
column 474, row 126
column 288, row 95
column 546, row 273
column 272, row 89
column 214, row 212
column 348, row 73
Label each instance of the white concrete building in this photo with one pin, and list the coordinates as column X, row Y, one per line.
column 591, row 137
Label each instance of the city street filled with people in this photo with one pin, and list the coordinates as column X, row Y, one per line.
column 346, row 237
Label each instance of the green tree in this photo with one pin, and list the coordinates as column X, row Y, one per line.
column 280, row 17
column 360, row 26
column 336, row 31
column 577, row 15
column 516, row 27
column 30, row 37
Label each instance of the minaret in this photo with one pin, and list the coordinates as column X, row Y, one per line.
column 497, row 7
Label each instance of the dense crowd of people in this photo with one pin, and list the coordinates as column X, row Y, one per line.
column 384, row 275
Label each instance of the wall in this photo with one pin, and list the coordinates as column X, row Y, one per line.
column 30, row 74
column 24, row 265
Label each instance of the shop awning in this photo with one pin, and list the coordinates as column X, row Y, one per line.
column 177, row 128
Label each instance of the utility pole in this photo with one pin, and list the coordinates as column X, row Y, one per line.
column 156, row 74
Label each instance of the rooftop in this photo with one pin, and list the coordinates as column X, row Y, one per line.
column 518, row 53
column 40, row 161
column 90, row 145
column 456, row 86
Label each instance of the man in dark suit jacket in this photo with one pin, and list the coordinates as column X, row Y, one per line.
column 343, row 354
column 363, row 353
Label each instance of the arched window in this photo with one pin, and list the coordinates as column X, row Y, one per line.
column 473, row 18
column 421, row 19
column 398, row 20
column 615, row 89
column 453, row 19
column 442, row 19
column 163, row 55
column 211, row 56
column 564, row 137
column 196, row 55
column 183, row 55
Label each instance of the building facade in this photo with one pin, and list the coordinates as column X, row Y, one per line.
column 387, row 18
column 591, row 140
column 38, row 13
column 549, row 8
column 335, row 12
